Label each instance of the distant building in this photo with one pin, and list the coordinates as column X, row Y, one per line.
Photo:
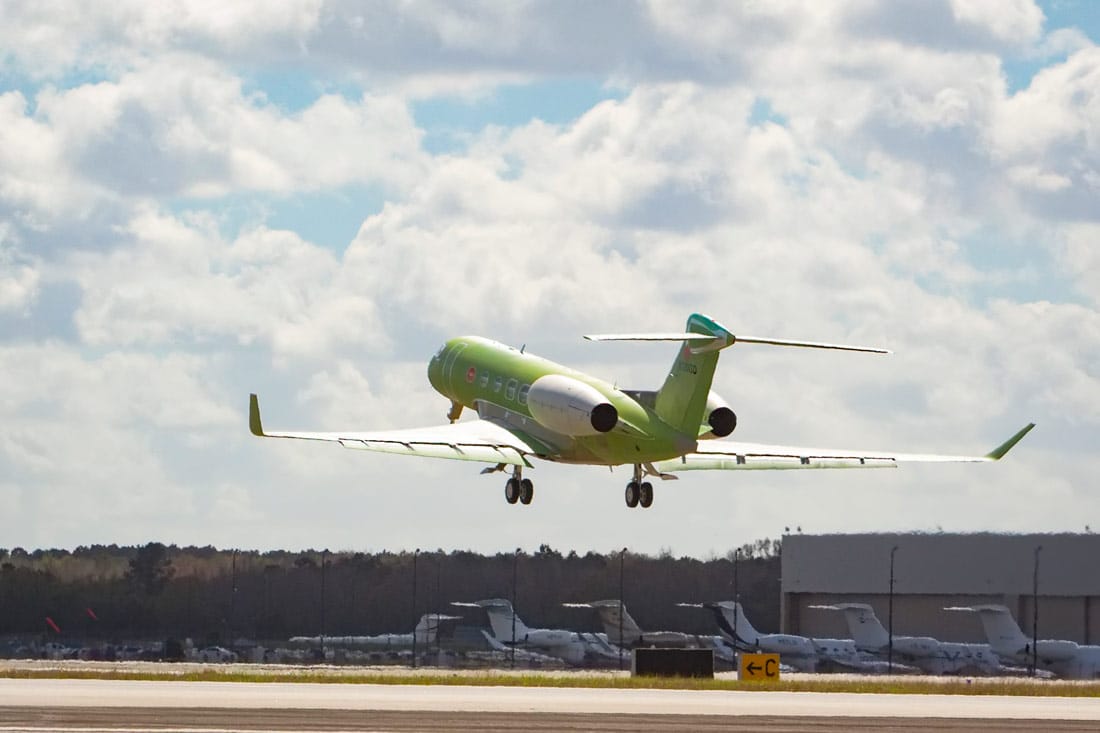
column 932, row 571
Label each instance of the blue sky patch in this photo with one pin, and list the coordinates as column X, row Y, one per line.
column 1084, row 15
column 329, row 218
column 449, row 122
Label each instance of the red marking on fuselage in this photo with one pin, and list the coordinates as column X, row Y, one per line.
column 471, row 375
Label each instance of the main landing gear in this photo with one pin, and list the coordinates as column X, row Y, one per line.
column 518, row 488
column 639, row 492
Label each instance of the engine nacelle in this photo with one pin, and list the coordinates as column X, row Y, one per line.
column 1057, row 649
column 569, row 406
column 719, row 418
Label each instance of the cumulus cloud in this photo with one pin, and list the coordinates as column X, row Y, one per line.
column 850, row 172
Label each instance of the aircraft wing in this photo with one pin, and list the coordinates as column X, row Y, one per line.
column 482, row 440
column 730, row 455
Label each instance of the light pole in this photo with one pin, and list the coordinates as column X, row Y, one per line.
column 622, row 557
column 438, row 604
column 1035, row 613
column 415, row 553
column 515, row 562
column 890, row 622
column 736, row 597
column 233, row 598
column 324, row 565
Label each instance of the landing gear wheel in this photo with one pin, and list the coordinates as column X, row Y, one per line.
column 526, row 491
column 512, row 491
column 632, row 494
column 645, row 495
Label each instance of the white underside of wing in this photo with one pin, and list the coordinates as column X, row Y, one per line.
column 475, row 440
column 729, row 455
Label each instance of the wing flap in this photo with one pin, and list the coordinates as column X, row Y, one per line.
column 483, row 441
column 731, row 456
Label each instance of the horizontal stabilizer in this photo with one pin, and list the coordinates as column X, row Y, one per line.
column 729, row 340
column 809, row 344
column 650, row 337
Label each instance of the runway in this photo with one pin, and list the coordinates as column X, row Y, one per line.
column 106, row 706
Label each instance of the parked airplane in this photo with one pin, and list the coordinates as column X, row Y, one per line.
column 632, row 635
column 529, row 407
column 570, row 646
column 1062, row 657
column 803, row 653
column 526, row 657
column 425, row 633
column 929, row 654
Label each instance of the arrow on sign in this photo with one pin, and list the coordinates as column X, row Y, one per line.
column 753, row 668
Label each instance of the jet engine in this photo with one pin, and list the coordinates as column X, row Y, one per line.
column 720, row 418
column 569, row 406
column 1057, row 649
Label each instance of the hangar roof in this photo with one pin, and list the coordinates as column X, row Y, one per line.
column 942, row 563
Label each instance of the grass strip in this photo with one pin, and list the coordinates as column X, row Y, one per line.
column 960, row 686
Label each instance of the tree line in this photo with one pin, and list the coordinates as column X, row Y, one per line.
column 108, row 592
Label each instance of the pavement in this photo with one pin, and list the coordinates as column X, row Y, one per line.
column 105, row 706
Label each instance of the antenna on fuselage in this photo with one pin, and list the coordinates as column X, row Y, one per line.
column 523, row 348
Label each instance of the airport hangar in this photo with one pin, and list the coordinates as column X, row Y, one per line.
column 933, row 571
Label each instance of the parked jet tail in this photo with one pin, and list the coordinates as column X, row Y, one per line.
column 428, row 626
column 734, row 624
column 866, row 630
column 1001, row 630
column 609, row 617
column 501, row 616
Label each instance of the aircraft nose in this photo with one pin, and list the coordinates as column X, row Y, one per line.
column 435, row 370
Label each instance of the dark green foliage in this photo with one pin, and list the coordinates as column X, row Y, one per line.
column 150, row 569
column 161, row 591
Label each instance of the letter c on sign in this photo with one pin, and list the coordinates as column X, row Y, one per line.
column 770, row 668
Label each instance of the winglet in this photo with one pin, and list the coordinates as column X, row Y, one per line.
column 254, row 423
column 999, row 452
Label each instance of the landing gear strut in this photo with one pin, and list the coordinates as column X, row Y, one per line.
column 518, row 488
column 639, row 492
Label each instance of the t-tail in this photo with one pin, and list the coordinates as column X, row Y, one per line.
column 428, row 627
column 1001, row 630
column 609, row 615
column 500, row 619
column 733, row 623
column 682, row 399
column 866, row 630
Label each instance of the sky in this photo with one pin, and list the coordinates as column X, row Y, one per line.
column 199, row 200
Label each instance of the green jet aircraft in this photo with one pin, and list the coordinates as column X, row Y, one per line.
column 530, row 407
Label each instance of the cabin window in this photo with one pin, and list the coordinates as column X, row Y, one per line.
column 485, row 379
column 498, row 383
column 523, row 394
column 510, row 390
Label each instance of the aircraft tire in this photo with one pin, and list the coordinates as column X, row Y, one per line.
column 511, row 491
column 645, row 495
column 632, row 496
column 526, row 491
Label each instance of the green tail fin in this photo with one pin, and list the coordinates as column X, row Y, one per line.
column 682, row 399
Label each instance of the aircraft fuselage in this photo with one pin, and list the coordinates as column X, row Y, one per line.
column 494, row 380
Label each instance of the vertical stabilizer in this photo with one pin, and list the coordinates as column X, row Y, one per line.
column 424, row 633
column 682, row 399
column 500, row 619
column 609, row 615
column 734, row 624
column 866, row 630
column 1001, row 630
